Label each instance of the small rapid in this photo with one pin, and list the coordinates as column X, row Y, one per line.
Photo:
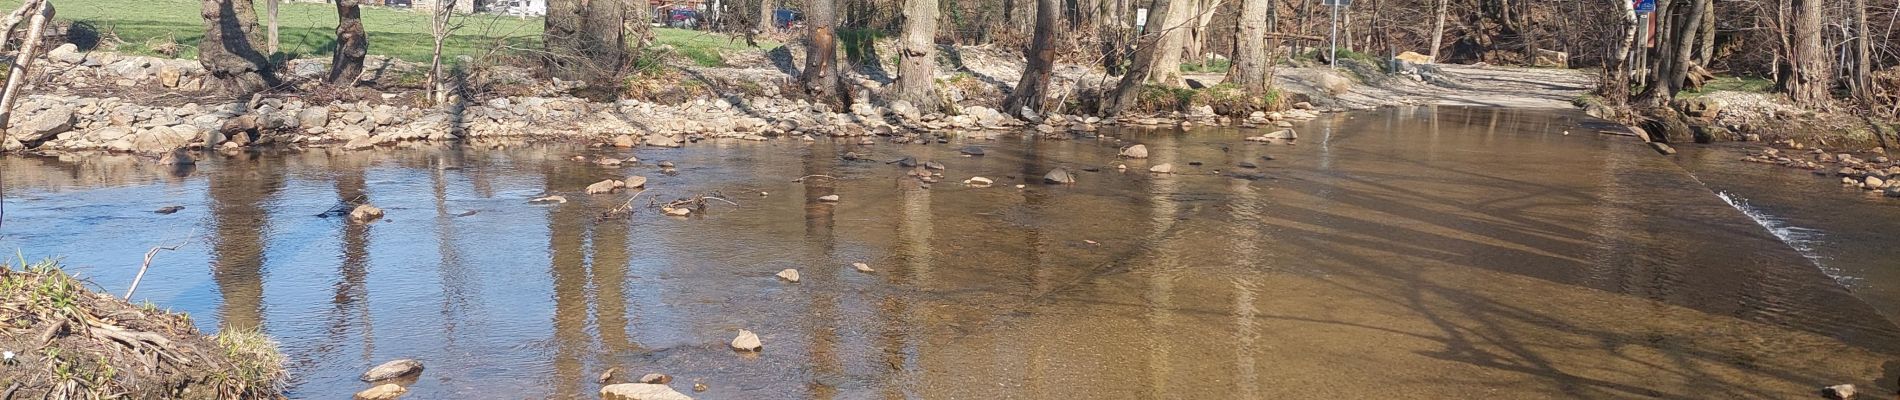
column 1802, row 240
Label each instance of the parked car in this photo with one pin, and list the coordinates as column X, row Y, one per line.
column 682, row 18
column 399, row 3
column 784, row 18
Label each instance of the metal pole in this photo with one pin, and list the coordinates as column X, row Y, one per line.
column 1334, row 58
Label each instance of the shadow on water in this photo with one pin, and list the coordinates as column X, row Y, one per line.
column 1405, row 253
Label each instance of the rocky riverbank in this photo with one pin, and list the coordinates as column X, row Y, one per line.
column 102, row 101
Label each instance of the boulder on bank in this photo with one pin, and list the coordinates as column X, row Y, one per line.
column 42, row 125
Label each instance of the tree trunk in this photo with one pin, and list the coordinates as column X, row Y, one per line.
column 1705, row 46
column 917, row 71
column 1148, row 50
column 586, row 40
column 1165, row 67
column 352, row 44
column 1438, row 28
column 439, row 29
column 1863, row 53
column 270, row 7
column 1033, row 88
column 767, row 14
column 1196, row 41
column 229, row 50
column 1616, row 89
column 1809, row 74
column 1250, row 48
column 821, row 76
column 41, row 11
column 1684, row 47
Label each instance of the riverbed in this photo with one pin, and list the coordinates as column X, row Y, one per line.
column 1419, row 252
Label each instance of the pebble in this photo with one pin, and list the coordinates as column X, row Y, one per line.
column 747, row 341
column 979, row 182
column 656, row 378
column 1244, row 164
column 677, row 212
column 862, row 267
column 366, row 213
column 699, row 387
column 557, row 199
column 789, row 275
column 830, row 198
column 1839, row 392
column 666, row 164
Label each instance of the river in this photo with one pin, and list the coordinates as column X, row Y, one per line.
column 1425, row 252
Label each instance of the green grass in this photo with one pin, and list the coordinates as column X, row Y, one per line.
column 1214, row 66
column 309, row 30
column 1731, row 84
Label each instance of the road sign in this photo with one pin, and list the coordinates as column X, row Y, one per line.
column 1335, row 3
column 1645, row 6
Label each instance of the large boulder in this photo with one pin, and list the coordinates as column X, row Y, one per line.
column 394, row 368
column 313, row 117
column 66, row 53
column 42, row 125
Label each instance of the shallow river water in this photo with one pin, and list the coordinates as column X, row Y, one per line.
column 1404, row 253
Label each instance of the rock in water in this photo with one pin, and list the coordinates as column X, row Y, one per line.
column 862, row 267
column 906, row 162
column 676, row 212
column 1663, row 148
column 366, row 213
column 1136, row 151
column 830, row 198
column 1284, row 134
column 169, row 209
column 176, row 157
column 933, row 165
column 789, row 275
column 556, row 199
column 635, row 181
column 1839, row 392
column 656, row 378
column 392, row 370
column 1163, row 168
column 640, row 391
column 747, row 340
column 387, row 391
column 971, row 151
column 666, row 164
column 979, row 182
column 1244, row 164
column 604, row 187
column 608, row 376
column 699, row 387
column 1059, row 176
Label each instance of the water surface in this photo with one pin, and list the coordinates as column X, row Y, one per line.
column 1404, row 253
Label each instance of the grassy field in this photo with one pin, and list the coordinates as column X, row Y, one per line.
column 309, row 30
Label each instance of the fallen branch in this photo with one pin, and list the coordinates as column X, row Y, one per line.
column 802, row 178
column 142, row 267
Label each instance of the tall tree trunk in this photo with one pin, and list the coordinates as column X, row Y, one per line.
column 1685, row 46
column 1033, row 88
column 1438, row 28
column 767, row 14
column 1616, row 89
column 821, row 76
column 1808, row 59
column 352, row 44
column 1196, row 40
column 1149, row 48
column 917, row 70
column 1863, row 52
column 605, row 37
column 1250, row 48
column 1165, row 66
column 229, row 49
column 41, row 11
column 561, row 38
column 1705, row 44
column 439, row 29
column 270, row 8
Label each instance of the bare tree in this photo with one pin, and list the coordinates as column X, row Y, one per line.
column 22, row 64
column 352, row 44
column 1808, row 68
column 1165, row 67
column 1033, row 88
column 270, row 11
column 917, row 71
column 586, row 40
column 821, row 76
column 1250, row 48
column 767, row 14
column 1152, row 45
column 1438, row 28
column 229, row 50
column 441, row 25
